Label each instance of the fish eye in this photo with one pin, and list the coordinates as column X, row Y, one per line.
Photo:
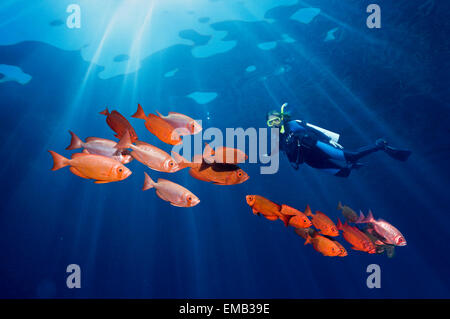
column 120, row 170
column 239, row 174
column 189, row 199
column 170, row 163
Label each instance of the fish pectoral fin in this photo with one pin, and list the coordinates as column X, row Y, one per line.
column 77, row 172
column 255, row 212
column 101, row 182
column 271, row 217
column 176, row 205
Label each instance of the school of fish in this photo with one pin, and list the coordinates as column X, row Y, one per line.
column 104, row 160
column 378, row 236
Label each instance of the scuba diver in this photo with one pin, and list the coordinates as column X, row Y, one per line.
column 319, row 148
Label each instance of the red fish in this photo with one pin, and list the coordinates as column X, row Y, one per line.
column 219, row 174
column 223, row 155
column 100, row 168
column 356, row 238
column 182, row 123
column 298, row 220
column 119, row 124
column 171, row 192
column 100, row 146
column 389, row 233
column 323, row 245
column 322, row 222
column 149, row 155
column 159, row 127
column 267, row 208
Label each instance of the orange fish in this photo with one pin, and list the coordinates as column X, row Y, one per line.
column 323, row 245
column 357, row 238
column 182, row 123
column 299, row 220
column 306, row 232
column 343, row 250
column 149, row 155
column 223, row 154
column 100, row 146
column 322, row 222
column 91, row 166
column 267, row 208
column 219, row 174
column 171, row 192
column 158, row 127
column 119, row 124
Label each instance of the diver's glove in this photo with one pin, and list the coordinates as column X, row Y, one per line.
column 336, row 144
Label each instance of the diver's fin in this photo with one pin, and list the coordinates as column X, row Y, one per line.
column 398, row 154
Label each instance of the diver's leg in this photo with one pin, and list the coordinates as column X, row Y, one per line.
column 380, row 145
column 364, row 151
column 331, row 151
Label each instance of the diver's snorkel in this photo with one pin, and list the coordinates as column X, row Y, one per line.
column 282, row 118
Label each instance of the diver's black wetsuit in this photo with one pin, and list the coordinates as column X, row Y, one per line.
column 304, row 144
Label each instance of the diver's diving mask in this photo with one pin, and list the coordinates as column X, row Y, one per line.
column 276, row 119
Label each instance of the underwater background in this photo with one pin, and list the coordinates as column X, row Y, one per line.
column 227, row 63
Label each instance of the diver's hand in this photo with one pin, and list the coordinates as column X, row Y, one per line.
column 336, row 144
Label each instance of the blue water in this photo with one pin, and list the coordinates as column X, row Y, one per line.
column 363, row 83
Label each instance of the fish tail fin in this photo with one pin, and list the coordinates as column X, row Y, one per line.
column 148, row 182
column 75, row 142
column 370, row 218
column 361, row 218
column 105, row 112
column 286, row 219
column 125, row 141
column 140, row 114
column 208, row 150
column 308, row 240
column 181, row 161
column 339, row 225
column 339, row 206
column 59, row 161
column 208, row 153
column 308, row 211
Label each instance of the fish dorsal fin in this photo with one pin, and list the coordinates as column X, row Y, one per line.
column 93, row 138
column 140, row 143
column 204, row 166
column 163, row 180
column 176, row 113
column 75, row 155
